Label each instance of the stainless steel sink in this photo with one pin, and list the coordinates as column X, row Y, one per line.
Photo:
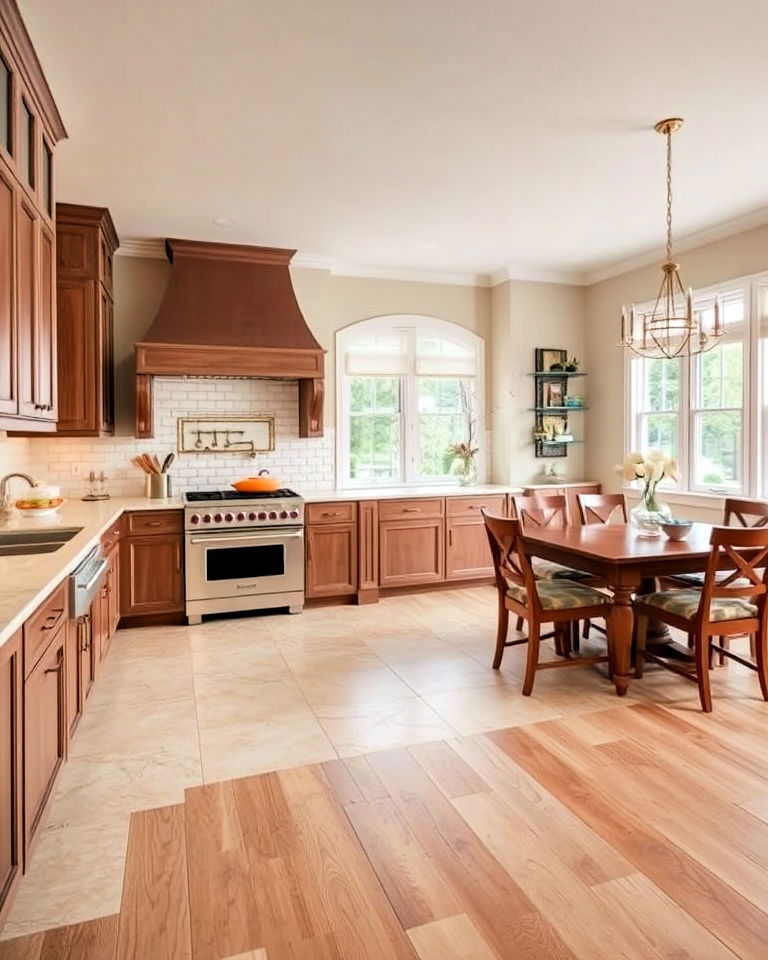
column 14, row 543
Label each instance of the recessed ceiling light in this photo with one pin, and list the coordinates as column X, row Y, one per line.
column 223, row 221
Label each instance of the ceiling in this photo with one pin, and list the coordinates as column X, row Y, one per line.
column 432, row 135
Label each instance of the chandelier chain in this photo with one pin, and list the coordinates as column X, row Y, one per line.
column 669, row 195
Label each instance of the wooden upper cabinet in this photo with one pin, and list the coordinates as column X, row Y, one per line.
column 9, row 399
column 86, row 242
column 30, row 128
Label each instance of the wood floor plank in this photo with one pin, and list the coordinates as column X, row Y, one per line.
column 447, row 770
column 588, row 856
column 497, row 906
column 453, row 938
column 222, row 918
column 90, row 940
column 414, row 886
column 364, row 776
column 342, row 781
column 718, row 764
column 569, row 905
column 154, row 912
column 718, row 908
column 361, row 918
column 657, row 922
column 288, row 906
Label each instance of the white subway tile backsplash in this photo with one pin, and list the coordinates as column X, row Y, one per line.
column 304, row 464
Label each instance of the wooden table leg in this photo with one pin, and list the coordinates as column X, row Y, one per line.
column 620, row 627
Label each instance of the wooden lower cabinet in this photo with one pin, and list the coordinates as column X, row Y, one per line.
column 411, row 552
column 11, row 798
column 151, row 574
column 331, row 560
column 45, row 730
column 467, row 554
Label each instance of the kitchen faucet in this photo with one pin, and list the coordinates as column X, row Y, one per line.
column 5, row 499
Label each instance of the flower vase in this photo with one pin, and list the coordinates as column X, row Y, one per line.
column 648, row 516
column 467, row 473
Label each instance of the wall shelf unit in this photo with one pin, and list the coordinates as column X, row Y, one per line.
column 551, row 389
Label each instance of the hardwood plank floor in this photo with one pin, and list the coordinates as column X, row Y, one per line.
column 638, row 833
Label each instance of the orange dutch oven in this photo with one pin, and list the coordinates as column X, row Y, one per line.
column 263, row 483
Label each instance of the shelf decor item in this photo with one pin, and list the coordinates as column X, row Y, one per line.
column 673, row 328
column 649, row 515
column 549, row 359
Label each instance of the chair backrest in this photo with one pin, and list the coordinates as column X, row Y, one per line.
column 601, row 507
column 747, row 576
column 746, row 513
column 543, row 510
column 510, row 564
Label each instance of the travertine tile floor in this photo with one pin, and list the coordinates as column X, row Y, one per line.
column 176, row 706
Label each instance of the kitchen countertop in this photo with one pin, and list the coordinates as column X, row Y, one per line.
column 408, row 493
column 25, row 581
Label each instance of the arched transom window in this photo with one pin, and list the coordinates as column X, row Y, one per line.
column 408, row 388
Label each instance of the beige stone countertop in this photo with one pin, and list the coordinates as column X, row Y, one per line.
column 25, row 581
column 408, row 493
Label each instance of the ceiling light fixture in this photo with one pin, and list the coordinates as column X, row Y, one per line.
column 672, row 329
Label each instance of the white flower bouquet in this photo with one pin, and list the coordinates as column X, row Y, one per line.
column 651, row 468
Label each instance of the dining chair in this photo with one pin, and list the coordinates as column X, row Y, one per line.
column 560, row 602
column 752, row 514
column 547, row 510
column 600, row 508
column 727, row 605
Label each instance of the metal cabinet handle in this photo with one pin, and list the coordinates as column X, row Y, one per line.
column 55, row 669
column 155, row 523
column 411, row 509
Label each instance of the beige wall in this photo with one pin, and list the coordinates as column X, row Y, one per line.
column 525, row 316
column 328, row 302
column 736, row 256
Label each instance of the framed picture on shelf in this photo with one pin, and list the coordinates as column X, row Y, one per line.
column 554, row 395
column 548, row 357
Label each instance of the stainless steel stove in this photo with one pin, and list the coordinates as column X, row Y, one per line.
column 243, row 551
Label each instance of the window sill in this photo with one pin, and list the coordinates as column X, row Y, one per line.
column 711, row 501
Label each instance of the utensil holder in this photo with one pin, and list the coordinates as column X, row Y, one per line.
column 158, row 486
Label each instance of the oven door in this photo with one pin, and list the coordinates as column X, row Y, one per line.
column 242, row 563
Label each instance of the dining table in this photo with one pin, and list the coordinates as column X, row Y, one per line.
column 628, row 564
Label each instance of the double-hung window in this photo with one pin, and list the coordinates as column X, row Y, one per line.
column 710, row 411
column 408, row 389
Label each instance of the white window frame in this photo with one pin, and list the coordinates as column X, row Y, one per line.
column 415, row 325
column 754, row 448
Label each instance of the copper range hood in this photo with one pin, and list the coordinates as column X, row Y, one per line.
column 230, row 310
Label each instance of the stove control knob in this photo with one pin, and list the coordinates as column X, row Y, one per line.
column 262, row 516
column 252, row 516
column 283, row 514
column 206, row 518
column 194, row 518
column 228, row 517
column 272, row 515
column 217, row 518
column 293, row 514
column 241, row 516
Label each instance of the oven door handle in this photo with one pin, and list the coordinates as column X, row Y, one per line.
column 244, row 539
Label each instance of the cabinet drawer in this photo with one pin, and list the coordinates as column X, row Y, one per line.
column 110, row 538
column 331, row 512
column 544, row 492
column 43, row 624
column 471, row 506
column 147, row 522
column 410, row 509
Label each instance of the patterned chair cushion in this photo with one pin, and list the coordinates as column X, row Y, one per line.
column 685, row 603
column 697, row 579
column 549, row 570
column 560, row 595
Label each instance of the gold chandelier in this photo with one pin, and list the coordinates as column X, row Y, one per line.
column 672, row 329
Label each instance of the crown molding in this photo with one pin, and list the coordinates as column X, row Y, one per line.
column 151, row 248
column 691, row 241
column 534, row 275
column 452, row 278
